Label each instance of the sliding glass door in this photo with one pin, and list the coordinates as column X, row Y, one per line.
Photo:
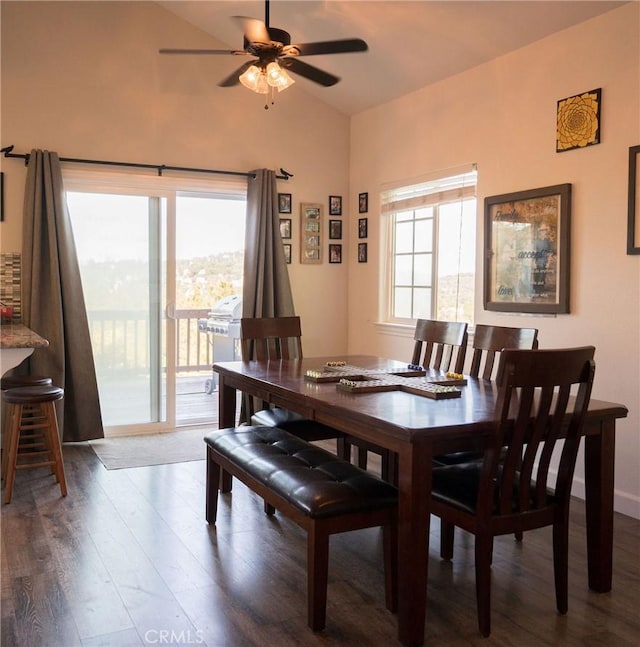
column 152, row 264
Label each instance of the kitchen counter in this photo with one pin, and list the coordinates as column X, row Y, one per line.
column 17, row 342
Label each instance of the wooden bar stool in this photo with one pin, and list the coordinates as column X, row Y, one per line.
column 13, row 382
column 16, row 381
column 32, row 434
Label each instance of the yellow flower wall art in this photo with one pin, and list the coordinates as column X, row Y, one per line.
column 578, row 121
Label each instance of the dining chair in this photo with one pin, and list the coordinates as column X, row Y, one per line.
column 509, row 490
column 437, row 344
column 488, row 342
column 276, row 338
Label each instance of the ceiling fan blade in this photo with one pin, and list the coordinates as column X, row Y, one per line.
column 201, row 51
column 233, row 78
column 255, row 31
column 331, row 47
column 309, row 71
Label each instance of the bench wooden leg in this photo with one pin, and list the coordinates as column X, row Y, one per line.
column 317, row 576
column 213, row 485
column 343, row 449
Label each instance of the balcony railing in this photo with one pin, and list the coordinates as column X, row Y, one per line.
column 121, row 340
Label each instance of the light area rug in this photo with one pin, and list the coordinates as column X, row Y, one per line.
column 150, row 449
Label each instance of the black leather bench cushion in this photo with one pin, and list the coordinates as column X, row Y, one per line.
column 310, row 478
column 294, row 423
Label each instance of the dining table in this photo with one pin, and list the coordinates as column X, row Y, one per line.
column 417, row 428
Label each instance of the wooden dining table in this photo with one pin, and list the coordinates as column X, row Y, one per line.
column 417, row 428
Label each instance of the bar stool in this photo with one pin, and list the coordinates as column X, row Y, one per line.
column 16, row 381
column 13, row 382
column 32, row 434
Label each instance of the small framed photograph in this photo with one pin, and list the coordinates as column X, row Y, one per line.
column 335, row 205
column 362, row 252
column 363, row 203
column 335, row 253
column 285, row 227
column 335, row 229
column 284, row 202
column 287, row 253
column 363, row 228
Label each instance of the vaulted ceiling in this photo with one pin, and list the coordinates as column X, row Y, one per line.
column 411, row 44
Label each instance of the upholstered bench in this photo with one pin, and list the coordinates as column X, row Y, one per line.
column 317, row 490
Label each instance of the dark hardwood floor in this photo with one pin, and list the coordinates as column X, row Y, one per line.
column 127, row 559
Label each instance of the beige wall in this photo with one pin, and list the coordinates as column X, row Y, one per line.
column 85, row 79
column 502, row 116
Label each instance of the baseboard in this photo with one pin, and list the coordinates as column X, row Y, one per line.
column 623, row 502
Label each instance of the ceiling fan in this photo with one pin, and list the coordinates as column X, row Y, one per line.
column 274, row 55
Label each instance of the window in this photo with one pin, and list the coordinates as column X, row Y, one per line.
column 430, row 231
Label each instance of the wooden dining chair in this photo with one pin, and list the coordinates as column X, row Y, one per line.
column 488, row 343
column 509, row 490
column 278, row 338
column 437, row 344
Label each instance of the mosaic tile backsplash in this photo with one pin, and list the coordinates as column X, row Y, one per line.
column 10, row 279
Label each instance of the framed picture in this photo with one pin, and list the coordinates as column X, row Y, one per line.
column 310, row 233
column 1, row 196
column 284, row 203
column 363, row 203
column 363, row 228
column 527, row 247
column 335, row 229
column 633, row 229
column 285, row 227
column 362, row 252
column 287, row 253
column 578, row 121
column 335, row 253
column 335, row 205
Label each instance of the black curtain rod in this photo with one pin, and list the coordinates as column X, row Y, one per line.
column 8, row 152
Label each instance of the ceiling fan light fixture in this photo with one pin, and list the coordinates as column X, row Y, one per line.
column 278, row 77
column 255, row 79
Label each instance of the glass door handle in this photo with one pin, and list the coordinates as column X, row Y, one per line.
column 170, row 310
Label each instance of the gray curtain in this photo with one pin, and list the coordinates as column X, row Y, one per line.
column 266, row 288
column 53, row 302
column 267, row 291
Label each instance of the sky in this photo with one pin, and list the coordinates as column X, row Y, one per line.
column 115, row 227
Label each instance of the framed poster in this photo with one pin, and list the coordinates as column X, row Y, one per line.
column 335, row 205
column 526, row 265
column 310, row 233
column 335, row 229
column 363, row 228
column 633, row 229
column 578, row 121
column 287, row 253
